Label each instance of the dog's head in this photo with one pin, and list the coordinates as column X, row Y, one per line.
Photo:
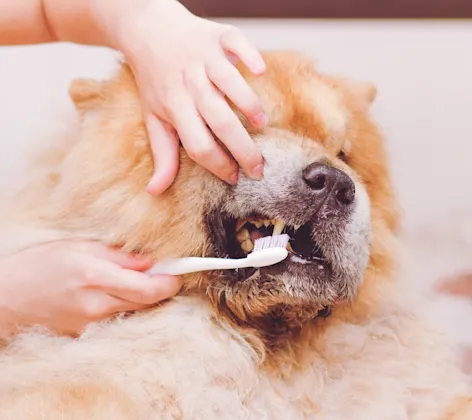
column 325, row 184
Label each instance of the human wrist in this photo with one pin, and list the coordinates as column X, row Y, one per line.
column 88, row 22
column 126, row 26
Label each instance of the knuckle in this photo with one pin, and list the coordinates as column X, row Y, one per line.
column 94, row 309
column 220, row 76
column 253, row 155
column 192, row 81
column 250, row 158
column 166, row 93
column 90, row 276
column 231, row 31
column 202, row 152
column 149, row 296
column 188, row 79
column 223, row 126
column 253, row 104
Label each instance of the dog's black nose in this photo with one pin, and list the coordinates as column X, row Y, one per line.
column 329, row 182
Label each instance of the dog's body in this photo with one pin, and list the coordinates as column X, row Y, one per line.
column 247, row 345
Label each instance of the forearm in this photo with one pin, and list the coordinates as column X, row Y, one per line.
column 79, row 21
column 90, row 22
column 23, row 22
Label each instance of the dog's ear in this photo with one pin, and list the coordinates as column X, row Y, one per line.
column 86, row 94
column 365, row 92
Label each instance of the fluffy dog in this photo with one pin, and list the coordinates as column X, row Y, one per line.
column 323, row 335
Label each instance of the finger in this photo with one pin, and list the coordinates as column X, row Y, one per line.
column 114, row 255
column 138, row 288
column 232, row 58
column 233, row 41
column 229, row 130
column 165, row 151
column 199, row 143
column 229, row 80
column 98, row 305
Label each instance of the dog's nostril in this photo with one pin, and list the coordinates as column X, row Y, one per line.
column 328, row 181
column 318, row 182
column 346, row 195
column 316, row 175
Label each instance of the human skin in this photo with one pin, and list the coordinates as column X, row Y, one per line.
column 195, row 63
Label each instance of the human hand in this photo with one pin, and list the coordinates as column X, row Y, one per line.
column 65, row 285
column 183, row 72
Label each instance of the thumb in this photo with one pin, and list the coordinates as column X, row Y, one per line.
column 165, row 151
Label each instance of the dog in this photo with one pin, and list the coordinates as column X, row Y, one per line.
column 325, row 334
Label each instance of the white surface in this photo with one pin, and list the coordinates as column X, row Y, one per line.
column 423, row 71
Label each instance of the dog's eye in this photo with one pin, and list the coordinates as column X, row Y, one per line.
column 342, row 156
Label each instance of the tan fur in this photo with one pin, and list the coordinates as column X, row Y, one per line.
column 195, row 357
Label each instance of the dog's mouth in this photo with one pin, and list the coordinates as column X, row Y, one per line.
column 243, row 233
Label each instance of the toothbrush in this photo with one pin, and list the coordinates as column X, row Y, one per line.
column 267, row 251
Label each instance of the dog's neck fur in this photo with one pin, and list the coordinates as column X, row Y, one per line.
column 281, row 333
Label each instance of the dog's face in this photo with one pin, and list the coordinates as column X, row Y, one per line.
column 310, row 193
column 325, row 184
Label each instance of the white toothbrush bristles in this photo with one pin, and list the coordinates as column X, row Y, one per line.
column 275, row 241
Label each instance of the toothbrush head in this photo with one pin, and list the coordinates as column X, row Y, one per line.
column 269, row 250
column 275, row 241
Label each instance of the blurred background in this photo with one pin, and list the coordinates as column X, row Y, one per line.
column 419, row 55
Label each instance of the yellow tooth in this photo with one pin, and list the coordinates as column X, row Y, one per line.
column 289, row 247
column 257, row 224
column 297, row 227
column 278, row 227
column 266, row 223
column 247, row 246
column 239, row 224
column 242, row 236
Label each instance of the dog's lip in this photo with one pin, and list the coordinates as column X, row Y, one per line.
column 281, row 267
column 296, row 260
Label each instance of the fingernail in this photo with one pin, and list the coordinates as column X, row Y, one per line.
column 258, row 171
column 232, row 59
column 260, row 120
column 233, row 178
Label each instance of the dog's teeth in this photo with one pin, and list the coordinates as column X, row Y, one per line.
column 242, row 236
column 247, row 246
column 296, row 227
column 257, row 224
column 278, row 227
column 289, row 247
column 266, row 223
column 239, row 224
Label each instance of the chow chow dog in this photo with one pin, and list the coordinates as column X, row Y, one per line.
column 325, row 334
